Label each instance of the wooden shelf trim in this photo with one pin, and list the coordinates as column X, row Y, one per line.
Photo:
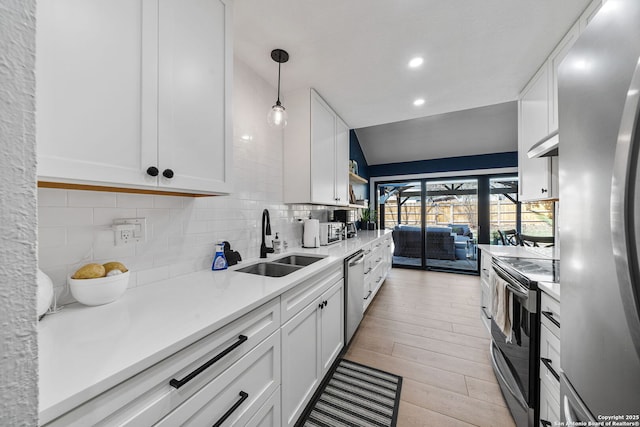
column 68, row 186
column 356, row 179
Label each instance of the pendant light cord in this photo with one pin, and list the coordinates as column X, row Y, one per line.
column 279, row 64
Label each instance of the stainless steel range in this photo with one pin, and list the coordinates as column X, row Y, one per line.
column 515, row 353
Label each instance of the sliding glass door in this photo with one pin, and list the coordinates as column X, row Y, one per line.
column 400, row 205
column 451, row 210
column 434, row 222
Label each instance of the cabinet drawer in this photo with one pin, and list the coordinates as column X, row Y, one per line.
column 237, row 394
column 147, row 397
column 302, row 295
column 550, row 313
column 366, row 249
column 549, row 407
column 549, row 359
column 269, row 414
column 377, row 277
column 485, row 266
column 485, row 305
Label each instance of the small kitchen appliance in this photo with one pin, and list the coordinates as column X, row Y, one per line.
column 311, row 233
column 330, row 232
column 350, row 230
column 348, row 218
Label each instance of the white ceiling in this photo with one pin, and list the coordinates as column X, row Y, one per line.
column 355, row 52
column 482, row 130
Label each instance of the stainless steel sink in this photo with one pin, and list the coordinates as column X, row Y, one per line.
column 301, row 260
column 270, row 269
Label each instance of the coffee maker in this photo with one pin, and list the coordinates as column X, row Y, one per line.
column 348, row 218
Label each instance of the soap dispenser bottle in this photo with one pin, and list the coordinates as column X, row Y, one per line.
column 219, row 260
column 277, row 244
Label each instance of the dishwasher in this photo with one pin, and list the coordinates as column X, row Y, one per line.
column 354, row 293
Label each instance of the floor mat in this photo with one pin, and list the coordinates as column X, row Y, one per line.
column 355, row 395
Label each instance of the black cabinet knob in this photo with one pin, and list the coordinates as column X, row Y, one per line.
column 544, row 190
column 167, row 173
column 152, row 170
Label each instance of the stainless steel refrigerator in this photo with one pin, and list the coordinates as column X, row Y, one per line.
column 599, row 94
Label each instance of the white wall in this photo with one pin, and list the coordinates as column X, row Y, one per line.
column 18, row 344
column 74, row 226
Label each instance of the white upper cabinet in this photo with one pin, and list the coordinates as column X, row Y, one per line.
column 323, row 152
column 555, row 59
column 316, row 152
column 533, row 125
column 126, row 86
column 538, row 116
column 342, row 161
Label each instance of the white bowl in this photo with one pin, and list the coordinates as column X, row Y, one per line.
column 102, row 290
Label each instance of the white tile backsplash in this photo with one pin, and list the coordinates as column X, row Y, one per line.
column 74, row 226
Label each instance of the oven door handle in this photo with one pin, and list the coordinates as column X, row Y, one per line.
column 514, row 288
column 517, row 291
column 502, row 378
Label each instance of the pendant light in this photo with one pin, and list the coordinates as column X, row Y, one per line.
column 277, row 116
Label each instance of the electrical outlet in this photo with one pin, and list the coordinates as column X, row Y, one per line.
column 129, row 230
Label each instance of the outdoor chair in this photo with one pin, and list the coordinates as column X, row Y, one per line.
column 537, row 241
column 510, row 237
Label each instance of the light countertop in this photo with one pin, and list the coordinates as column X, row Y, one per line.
column 521, row 251
column 550, row 288
column 83, row 351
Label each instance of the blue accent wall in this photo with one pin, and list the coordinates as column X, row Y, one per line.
column 451, row 164
column 355, row 153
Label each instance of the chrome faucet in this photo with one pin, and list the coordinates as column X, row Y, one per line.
column 264, row 250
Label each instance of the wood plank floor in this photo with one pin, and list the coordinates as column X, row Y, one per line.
column 426, row 327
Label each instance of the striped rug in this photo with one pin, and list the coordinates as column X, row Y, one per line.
column 355, row 396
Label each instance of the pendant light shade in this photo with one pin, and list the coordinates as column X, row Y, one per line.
column 277, row 117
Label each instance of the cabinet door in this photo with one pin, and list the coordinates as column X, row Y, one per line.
column 269, row 414
column 236, row 394
column 300, row 361
column 590, row 12
column 96, row 92
column 194, row 140
column 549, row 407
column 555, row 59
column 323, row 156
column 332, row 328
column 533, row 125
column 342, row 162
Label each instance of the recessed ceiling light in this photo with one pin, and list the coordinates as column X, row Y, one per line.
column 633, row 92
column 246, row 137
column 416, row 62
column 418, row 102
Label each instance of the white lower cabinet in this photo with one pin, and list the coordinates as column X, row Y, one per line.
column 234, row 397
column 147, row 397
column 549, row 407
column 485, row 287
column 269, row 414
column 549, row 361
column 300, row 362
column 377, row 263
column 311, row 341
